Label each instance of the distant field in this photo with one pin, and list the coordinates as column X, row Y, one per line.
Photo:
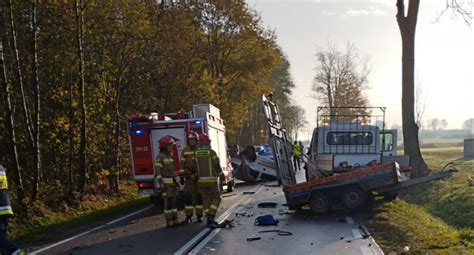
column 436, row 218
column 441, row 141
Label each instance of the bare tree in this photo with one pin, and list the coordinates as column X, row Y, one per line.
column 434, row 124
column 458, row 8
column 37, row 96
column 468, row 125
column 420, row 102
column 79, row 13
column 407, row 25
column 10, row 122
column 443, row 124
column 340, row 78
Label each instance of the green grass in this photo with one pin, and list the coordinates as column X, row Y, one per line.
column 434, row 218
column 34, row 230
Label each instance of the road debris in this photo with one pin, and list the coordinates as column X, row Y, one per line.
column 267, row 205
column 248, row 192
column 245, row 214
column 266, row 220
column 278, row 231
column 254, row 237
column 229, row 195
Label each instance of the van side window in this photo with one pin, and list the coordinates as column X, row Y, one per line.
column 349, row 138
column 387, row 144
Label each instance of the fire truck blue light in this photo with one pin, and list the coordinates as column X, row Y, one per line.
column 138, row 132
column 198, row 122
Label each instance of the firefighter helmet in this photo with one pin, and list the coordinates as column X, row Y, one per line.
column 193, row 135
column 166, row 141
column 204, row 139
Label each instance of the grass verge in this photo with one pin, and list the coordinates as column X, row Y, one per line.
column 30, row 231
column 434, row 218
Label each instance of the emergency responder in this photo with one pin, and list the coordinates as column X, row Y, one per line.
column 6, row 246
column 192, row 198
column 209, row 171
column 296, row 155
column 165, row 174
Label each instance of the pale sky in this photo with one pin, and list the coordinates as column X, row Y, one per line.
column 444, row 52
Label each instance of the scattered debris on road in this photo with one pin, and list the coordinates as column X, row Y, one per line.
column 267, row 205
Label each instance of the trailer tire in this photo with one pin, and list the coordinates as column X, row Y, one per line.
column 354, row 197
column 320, row 203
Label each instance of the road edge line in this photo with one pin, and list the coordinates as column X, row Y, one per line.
column 88, row 231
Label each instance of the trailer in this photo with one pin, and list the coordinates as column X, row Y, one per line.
column 338, row 172
column 145, row 130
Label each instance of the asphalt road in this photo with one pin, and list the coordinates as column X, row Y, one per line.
column 145, row 232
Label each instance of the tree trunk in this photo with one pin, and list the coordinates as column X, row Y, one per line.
column 37, row 93
column 10, row 124
column 407, row 25
column 18, row 74
column 83, row 130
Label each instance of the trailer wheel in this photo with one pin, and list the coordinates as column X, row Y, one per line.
column 354, row 198
column 319, row 203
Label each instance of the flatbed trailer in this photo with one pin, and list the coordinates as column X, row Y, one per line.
column 353, row 189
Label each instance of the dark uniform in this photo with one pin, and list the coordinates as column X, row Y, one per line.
column 6, row 247
column 209, row 171
column 192, row 198
column 165, row 174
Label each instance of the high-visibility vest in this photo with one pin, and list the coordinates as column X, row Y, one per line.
column 296, row 150
column 5, row 205
column 165, row 169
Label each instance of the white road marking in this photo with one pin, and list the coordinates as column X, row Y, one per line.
column 89, row 231
column 349, row 220
column 205, row 231
column 214, row 232
column 356, row 233
column 366, row 250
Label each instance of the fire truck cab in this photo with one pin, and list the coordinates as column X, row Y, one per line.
column 145, row 130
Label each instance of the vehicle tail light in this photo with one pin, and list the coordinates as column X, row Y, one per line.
column 180, row 115
column 145, row 185
column 161, row 117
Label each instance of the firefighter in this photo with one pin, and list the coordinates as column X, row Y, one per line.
column 6, row 246
column 296, row 155
column 192, row 198
column 165, row 174
column 209, row 171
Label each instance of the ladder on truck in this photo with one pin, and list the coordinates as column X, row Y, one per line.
column 282, row 147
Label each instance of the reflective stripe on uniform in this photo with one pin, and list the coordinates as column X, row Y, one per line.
column 203, row 153
column 168, row 211
column 3, row 181
column 159, row 164
column 174, row 210
column 167, row 161
column 213, row 207
column 189, row 153
column 199, row 207
column 164, row 194
column 206, row 211
column 159, row 176
column 187, row 207
column 6, row 210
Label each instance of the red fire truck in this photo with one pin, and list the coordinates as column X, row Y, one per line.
column 145, row 130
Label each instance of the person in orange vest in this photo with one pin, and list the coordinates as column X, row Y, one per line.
column 192, row 197
column 6, row 246
column 209, row 171
column 165, row 174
